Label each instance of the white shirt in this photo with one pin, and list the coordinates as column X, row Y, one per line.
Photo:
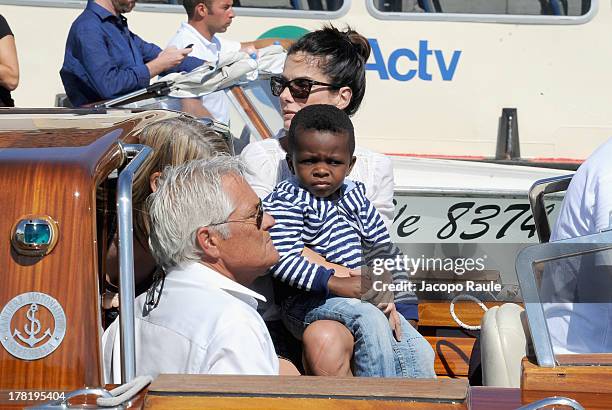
column 205, row 323
column 216, row 103
column 266, row 167
column 586, row 209
column 588, row 200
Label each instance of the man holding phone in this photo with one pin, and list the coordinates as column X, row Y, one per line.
column 205, row 19
column 104, row 59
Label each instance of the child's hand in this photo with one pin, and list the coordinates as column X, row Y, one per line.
column 347, row 287
column 394, row 320
column 342, row 272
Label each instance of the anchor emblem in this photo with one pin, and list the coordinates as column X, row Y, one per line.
column 31, row 342
column 33, row 329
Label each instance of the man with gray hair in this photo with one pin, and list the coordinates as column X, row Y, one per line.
column 210, row 235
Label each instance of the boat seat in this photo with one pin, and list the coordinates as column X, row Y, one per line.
column 504, row 339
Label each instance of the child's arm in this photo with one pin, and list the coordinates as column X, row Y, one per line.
column 297, row 271
column 292, row 268
column 339, row 270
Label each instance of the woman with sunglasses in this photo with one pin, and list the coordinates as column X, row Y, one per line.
column 326, row 66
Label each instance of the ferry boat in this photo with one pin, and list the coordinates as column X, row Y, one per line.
column 443, row 79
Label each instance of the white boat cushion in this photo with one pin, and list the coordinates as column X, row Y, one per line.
column 504, row 342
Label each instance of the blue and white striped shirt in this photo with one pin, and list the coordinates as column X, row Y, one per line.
column 337, row 229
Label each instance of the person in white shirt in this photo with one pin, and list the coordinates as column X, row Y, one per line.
column 205, row 19
column 587, row 204
column 586, row 209
column 210, row 235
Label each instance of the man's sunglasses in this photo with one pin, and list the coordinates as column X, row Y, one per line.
column 298, row 87
column 259, row 214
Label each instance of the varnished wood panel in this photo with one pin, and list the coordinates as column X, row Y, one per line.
column 60, row 183
column 269, row 392
column 487, row 398
column 266, row 403
column 497, row 398
column 590, row 401
column 438, row 313
column 310, row 386
column 593, row 359
column 452, row 355
column 49, row 139
column 62, row 131
column 588, row 378
column 54, row 171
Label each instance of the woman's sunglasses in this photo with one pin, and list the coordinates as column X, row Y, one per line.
column 298, row 87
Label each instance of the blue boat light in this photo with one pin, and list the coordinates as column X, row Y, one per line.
column 37, row 234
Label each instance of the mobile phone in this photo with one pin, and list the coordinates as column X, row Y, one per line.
column 189, row 45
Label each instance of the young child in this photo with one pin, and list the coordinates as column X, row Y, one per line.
column 321, row 210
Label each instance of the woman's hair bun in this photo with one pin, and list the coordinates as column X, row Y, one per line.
column 359, row 42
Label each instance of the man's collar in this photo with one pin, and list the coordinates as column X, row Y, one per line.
column 103, row 13
column 187, row 26
column 208, row 277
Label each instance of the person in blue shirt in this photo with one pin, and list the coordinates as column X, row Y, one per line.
column 104, row 59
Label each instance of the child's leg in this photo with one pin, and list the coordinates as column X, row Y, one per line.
column 414, row 355
column 374, row 349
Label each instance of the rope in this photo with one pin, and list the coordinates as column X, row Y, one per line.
column 469, row 298
column 124, row 392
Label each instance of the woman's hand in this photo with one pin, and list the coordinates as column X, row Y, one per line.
column 394, row 319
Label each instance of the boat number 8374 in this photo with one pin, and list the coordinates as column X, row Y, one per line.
column 465, row 220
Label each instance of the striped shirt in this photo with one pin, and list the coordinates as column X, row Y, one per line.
column 340, row 230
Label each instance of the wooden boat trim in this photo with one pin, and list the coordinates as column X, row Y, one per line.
column 251, row 112
column 593, row 359
column 439, row 390
column 566, row 379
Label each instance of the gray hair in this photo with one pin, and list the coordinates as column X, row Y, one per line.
column 189, row 196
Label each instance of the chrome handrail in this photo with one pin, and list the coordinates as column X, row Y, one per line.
column 536, row 200
column 63, row 403
column 126, row 258
column 158, row 89
column 549, row 401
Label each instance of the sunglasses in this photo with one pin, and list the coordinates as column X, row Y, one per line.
column 298, row 87
column 258, row 218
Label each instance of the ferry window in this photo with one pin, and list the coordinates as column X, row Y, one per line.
column 318, row 5
column 243, row 7
column 494, row 7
